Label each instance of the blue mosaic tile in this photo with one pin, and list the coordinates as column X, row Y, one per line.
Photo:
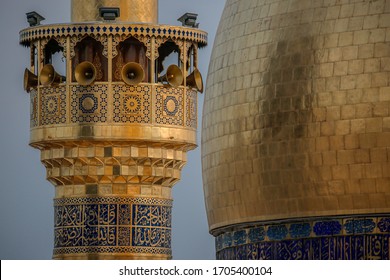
column 359, row 226
column 240, row 252
column 256, row 234
column 360, row 243
column 339, row 248
column 282, row 250
column 107, row 214
column 324, row 249
column 58, row 214
column 265, row 251
column 72, row 215
column 124, row 214
column 91, row 214
column 227, row 239
column 239, row 237
column 306, row 249
column 71, row 237
column 124, row 236
column 151, row 237
column 141, row 215
column 251, row 252
column 219, row 242
column 347, row 247
column 384, row 225
column 140, row 236
column 332, row 248
column 156, row 237
column 326, row 228
column 300, row 230
column 155, row 216
column 160, row 216
column 107, row 236
column 296, row 249
column 385, row 248
column 357, row 243
column 166, row 216
column 374, row 246
column 277, row 232
column 316, row 248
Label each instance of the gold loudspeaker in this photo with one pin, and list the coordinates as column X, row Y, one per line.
column 133, row 73
column 49, row 76
column 85, row 73
column 194, row 80
column 174, row 76
column 30, row 80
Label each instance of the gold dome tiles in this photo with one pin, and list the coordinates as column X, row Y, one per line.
column 295, row 114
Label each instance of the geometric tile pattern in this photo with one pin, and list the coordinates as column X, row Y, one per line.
column 89, row 104
column 169, row 106
column 53, row 105
column 132, row 104
column 191, row 107
column 323, row 239
column 33, row 108
column 109, row 224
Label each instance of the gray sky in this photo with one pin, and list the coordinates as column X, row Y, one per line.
column 26, row 211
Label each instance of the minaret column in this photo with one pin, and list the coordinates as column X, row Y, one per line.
column 112, row 137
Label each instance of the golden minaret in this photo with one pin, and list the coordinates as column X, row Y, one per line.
column 114, row 129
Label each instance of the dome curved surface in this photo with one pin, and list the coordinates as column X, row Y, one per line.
column 296, row 111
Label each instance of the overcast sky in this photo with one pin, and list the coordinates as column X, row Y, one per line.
column 26, row 205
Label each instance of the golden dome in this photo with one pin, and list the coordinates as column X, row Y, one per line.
column 296, row 114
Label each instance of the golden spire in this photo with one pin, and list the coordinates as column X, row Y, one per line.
column 145, row 11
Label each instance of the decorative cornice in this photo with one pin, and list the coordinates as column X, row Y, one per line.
column 164, row 31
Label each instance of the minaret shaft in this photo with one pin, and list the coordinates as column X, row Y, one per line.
column 113, row 140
